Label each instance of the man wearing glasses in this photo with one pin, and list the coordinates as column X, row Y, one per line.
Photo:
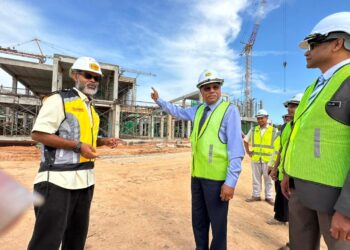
column 217, row 152
column 67, row 126
column 317, row 155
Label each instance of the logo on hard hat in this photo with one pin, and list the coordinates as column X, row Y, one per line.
column 207, row 74
column 94, row 66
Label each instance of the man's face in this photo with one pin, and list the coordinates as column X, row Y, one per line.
column 318, row 54
column 211, row 93
column 291, row 108
column 87, row 82
column 287, row 118
column 262, row 121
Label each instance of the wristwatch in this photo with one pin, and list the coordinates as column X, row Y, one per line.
column 77, row 148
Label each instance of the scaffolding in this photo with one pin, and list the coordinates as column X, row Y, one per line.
column 120, row 114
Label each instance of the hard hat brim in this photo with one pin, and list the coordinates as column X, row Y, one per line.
column 206, row 82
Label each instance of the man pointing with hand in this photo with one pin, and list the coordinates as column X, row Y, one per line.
column 217, row 152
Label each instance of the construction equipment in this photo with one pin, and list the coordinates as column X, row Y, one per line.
column 247, row 51
column 12, row 51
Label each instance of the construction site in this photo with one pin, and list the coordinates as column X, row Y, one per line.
column 150, row 175
column 122, row 116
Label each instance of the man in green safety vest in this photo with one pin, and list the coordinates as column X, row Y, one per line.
column 317, row 159
column 217, row 152
column 265, row 140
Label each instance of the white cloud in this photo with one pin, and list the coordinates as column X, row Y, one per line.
column 200, row 40
column 259, row 79
column 203, row 43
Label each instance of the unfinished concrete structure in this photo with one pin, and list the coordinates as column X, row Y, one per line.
column 19, row 108
column 121, row 115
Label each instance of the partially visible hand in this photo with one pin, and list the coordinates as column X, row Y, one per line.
column 88, row 151
column 285, row 187
column 273, row 174
column 226, row 192
column 340, row 227
column 113, row 142
column 154, row 94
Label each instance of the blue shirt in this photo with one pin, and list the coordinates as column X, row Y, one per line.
column 230, row 133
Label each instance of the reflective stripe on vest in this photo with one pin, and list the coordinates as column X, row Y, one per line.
column 76, row 126
column 318, row 149
column 209, row 154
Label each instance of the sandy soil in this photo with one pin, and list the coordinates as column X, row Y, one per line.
column 142, row 201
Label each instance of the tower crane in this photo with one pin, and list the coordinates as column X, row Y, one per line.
column 12, row 51
column 247, row 51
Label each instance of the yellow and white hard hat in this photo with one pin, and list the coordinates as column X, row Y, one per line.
column 85, row 63
column 329, row 27
column 261, row 113
column 295, row 99
column 207, row 77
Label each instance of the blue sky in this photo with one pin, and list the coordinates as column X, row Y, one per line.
column 176, row 40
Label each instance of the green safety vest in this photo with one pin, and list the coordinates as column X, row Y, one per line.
column 209, row 154
column 284, row 139
column 264, row 146
column 318, row 149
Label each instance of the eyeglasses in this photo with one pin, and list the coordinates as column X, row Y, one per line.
column 312, row 45
column 89, row 76
column 209, row 87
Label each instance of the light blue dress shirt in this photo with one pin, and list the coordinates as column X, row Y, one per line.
column 230, row 133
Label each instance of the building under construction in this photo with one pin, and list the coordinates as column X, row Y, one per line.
column 121, row 115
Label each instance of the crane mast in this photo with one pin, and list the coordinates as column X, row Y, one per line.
column 247, row 51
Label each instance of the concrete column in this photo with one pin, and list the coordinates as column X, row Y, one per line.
column 152, row 126
column 116, row 84
column 134, row 89
column 114, row 118
column 182, row 129
column 170, row 131
column 173, row 129
column 188, row 129
column 14, row 85
column 183, row 122
column 141, row 127
column 57, row 75
column 161, row 126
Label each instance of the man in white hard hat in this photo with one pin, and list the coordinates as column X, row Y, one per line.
column 263, row 138
column 67, row 126
column 317, row 155
column 216, row 159
column 281, row 202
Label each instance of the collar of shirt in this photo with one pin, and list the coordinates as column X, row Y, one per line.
column 328, row 74
column 262, row 128
column 82, row 95
column 214, row 105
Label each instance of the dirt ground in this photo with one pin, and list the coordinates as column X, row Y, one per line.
column 142, row 201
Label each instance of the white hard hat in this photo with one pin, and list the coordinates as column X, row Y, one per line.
column 207, row 77
column 87, row 64
column 338, row 22
column 295, row 99
column 261, row 113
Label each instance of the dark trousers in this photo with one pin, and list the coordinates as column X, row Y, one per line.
column 63, row 218
column 281, row 204
column 307, row 225
column 208, row 210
